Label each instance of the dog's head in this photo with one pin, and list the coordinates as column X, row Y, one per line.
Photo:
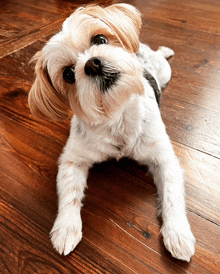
column 90, row 67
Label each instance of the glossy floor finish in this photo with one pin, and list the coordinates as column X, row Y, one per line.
column 121, row 228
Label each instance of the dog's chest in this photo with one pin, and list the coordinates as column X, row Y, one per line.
column 123, row 137
column 111, row 139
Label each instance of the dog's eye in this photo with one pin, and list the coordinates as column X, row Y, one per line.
column 69, row 75
column 99, row 40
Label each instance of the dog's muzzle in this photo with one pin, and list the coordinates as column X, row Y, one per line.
column 102, row 72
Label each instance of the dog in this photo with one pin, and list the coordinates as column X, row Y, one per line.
column 97, row 71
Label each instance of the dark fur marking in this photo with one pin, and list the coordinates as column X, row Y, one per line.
column 119, row 148
column 154, row 86
column 78, row 128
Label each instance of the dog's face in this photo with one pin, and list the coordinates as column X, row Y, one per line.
column 90, row 67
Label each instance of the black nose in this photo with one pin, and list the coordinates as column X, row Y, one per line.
column 93, row 67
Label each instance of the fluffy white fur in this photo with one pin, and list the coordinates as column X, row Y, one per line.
column 123, row 121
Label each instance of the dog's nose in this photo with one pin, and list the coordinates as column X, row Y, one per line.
column 93, row 66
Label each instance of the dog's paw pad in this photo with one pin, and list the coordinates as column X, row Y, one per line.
column 64, row 239
column 181, row 245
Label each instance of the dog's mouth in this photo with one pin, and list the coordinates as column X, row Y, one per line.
column 103, row 73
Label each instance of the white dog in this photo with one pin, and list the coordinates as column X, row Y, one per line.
column 96, row 68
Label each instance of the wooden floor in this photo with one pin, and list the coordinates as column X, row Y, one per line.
column 121, row 232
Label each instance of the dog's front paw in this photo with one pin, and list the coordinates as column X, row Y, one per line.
column 66, row 234
column 179, row 241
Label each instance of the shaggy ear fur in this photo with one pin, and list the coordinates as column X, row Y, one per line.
column 123, row 19
column 44, row 101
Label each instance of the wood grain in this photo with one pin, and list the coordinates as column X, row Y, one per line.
column 121, row 230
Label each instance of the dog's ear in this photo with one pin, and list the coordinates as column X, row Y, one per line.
column 123, row 19
column 126, row 22
column 44, row 101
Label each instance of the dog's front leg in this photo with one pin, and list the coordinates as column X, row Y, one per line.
column 168, row 178
column 71, row 181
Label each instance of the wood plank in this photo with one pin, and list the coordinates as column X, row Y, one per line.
column 193, row 16
column 195, row 65
column 202, row 182
column 16, row 15
column 26, row 39
column 28, row 248
column 192, row 126
column 23, row 22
